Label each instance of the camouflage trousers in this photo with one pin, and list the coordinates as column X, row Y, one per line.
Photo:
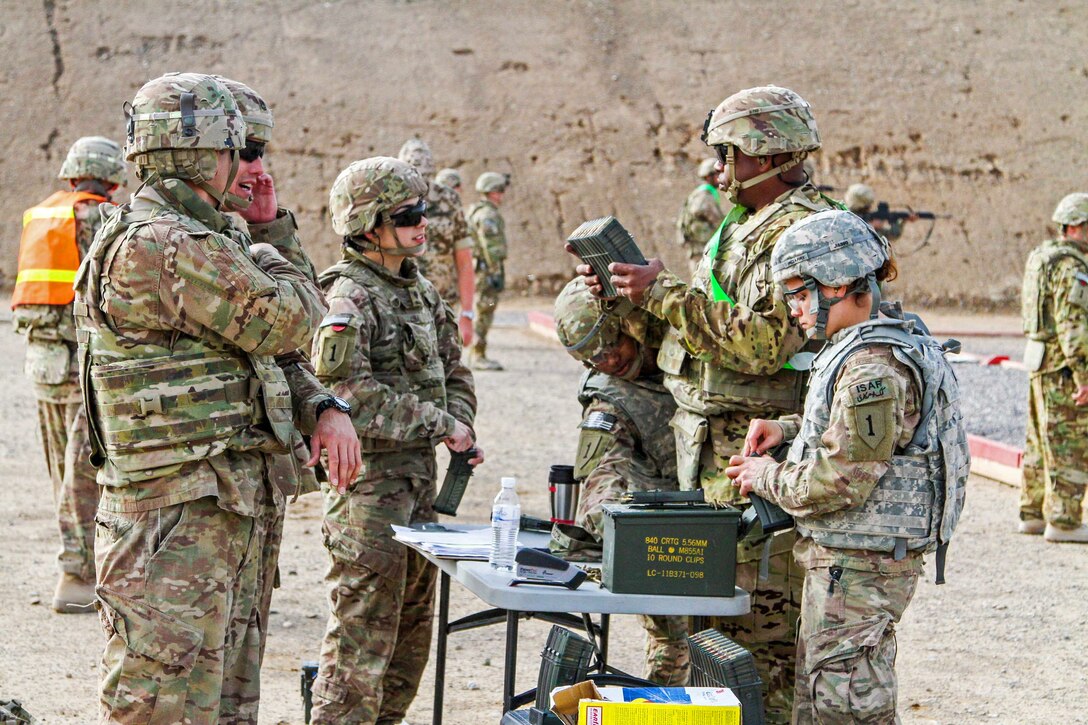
column 846, row 648
column 1056, row 456
column 178, row 598
column 382, row 603
column 75, row 491
column 668, row 657
column 487, row 299
column 270, row 519
column 770, row 575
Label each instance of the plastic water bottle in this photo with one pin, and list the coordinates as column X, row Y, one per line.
column 505, row 520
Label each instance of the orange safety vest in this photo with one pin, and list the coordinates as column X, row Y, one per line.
column 48, row 252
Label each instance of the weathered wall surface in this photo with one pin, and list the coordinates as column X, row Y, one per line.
column 975, row 109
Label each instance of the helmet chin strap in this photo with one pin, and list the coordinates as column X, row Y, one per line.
column 821, row 305
column 222, row 197
column 732, row 191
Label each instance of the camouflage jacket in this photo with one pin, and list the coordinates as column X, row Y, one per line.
column 854, row 452
column 1055, row 306
column 744, row 336
column 701, row 215
column 182, row 271
column 625, row 443
column 447, row 232
column 390, row 347
column 51, row 330
column 488, row 233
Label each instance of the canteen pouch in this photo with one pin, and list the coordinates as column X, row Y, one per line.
column 1034, row 352
column 691, row 432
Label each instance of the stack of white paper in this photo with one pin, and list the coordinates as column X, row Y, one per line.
column 449, row 544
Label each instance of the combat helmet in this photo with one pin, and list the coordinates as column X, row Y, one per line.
column 448, row 177
column 707, row 167
column 491, row 181
column 860, row 197
column 365, row 192
column 762, row 121
column 417, row 153
column 584, row 328
column 176, row 125
column 94, row 157
column 834, row 248
column 1071, row 210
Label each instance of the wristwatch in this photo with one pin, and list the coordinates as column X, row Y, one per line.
column 468, row 314
column 332, row 402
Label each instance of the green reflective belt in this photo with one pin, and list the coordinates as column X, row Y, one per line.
column 713, row 190
column 717, row 293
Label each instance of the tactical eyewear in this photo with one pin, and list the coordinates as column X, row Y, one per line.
column 723, row 152
column 795, row 304
column 410, row 216
column 253, row 150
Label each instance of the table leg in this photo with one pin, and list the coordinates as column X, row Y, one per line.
column 509, row 678
column 604, row 642
column 440, row 653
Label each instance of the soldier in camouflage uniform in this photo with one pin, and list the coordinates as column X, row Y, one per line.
column 179, row 317
column 729, row 353
column 625, row 442
column 447, row 263
column 701, row 215
column 253, row 197
column 56, row 235
column 1055, row 309
column 876, row 472
column 860, row 199
column 489, row 233
column 389, row 346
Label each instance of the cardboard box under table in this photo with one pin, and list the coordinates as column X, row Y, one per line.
column 675, row 550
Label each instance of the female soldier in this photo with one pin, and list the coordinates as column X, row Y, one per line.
column 390, row 348
column 876, row 471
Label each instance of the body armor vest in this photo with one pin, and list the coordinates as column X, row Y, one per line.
column 648, row 406
column 1038, row 325
column 152, row 408
column 734, row 262
column 48, row 251
column 404, row 352
column 917, row 503
column 492, row 248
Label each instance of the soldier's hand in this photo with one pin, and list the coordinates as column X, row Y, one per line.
column 264, row 206
column 478, row 458
column 584, row 270
column 464, row 325
column 632, row 280
column 335, row 434
column 744, row 470
column 1081, row 396
column 461, row 439
column 762, row 434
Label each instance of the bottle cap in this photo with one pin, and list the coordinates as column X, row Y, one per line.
column 509, row 482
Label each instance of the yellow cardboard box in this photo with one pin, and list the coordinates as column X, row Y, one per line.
column 726, row 711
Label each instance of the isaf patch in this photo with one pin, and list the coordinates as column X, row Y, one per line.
column 871, row 420
column 869, row 391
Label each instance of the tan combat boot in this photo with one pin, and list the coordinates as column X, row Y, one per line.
column 73, row 596
column 480, row 361
column 1032, row 527
column 1078, row 535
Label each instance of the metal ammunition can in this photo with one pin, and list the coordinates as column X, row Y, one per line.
column 680, row 551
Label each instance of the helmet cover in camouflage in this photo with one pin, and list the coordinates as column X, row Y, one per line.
column 707, row 167
column 1072, row 210
column 491, row 181
column 183, row 111
column 763, row 121
column 860, row 197
column 369, row 187
column 448, row 177
column 416, row 152
column 584, row 328
column 94, row 157
column 832, row 247
column 255, row 111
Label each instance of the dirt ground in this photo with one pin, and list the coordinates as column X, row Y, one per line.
column 1003, row 641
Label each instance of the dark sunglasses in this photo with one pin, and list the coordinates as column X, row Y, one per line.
column 410, row 216
column 722, row 152
column 253, row 150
